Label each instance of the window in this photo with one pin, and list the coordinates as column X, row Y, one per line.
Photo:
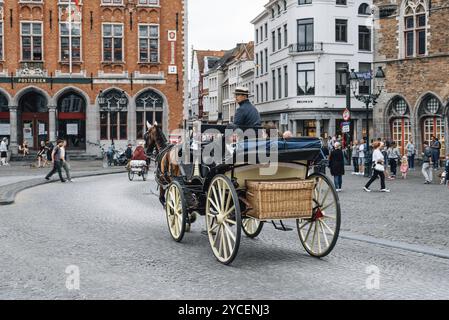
column 341, row 2
column 364, row 9
column 273, row 78
column 285, row 36
column 285, row 5
column 273, row 41
column 341, row 70
column 285, row 81
column 113, row 2
column 261, row 62
column 364, row 38
column 273, row 14
column 261, row 92
column 400, row 107
column 266, row 30
column 341, row 30
column 257, row 64
column 306, row 79
column 113, row 42
column 415, row 24
column 266, row 60
column 150, row 108
column 31, row 35
column 1, row 41
column 305, row 35
column 364, row 86
column 257, row 93
column 279, row 83
column 148, row 2
column 266, row 90
column 149, row 43
column 304, row 2
column 257, row 35
column 65, row 36
column 279, row 38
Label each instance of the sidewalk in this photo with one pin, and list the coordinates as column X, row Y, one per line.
column 20, row 176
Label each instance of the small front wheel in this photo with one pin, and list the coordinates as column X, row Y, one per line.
column 176, row 211
column 252, row 227
column 130, row 175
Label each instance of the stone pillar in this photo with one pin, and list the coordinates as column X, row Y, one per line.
column 52, row 123
column 331, row 130
column 13, row 121
column 132, row 122
column 359, row 129
column 295, row 127
column 92, row 129
column 318, row 128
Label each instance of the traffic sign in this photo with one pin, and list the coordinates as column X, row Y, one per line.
column 346, row 127
column 346, row 115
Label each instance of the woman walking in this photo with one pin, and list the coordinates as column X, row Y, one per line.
column 337, row 166
column 362, row 157
column 378, row 168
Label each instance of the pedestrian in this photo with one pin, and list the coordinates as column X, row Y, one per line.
column 65, row 165
column 411, row 152
column 23, row 149
column 446, row 170
column 56, row 159
column 4, row 152
column 362, row 157
column 337, row 166
column 404, row 167
column 384, row 150
column 378, row 168
column 42, row 156
column 435, row 145
column 393, row 156
column 355, row 156
column 50, row 148
column 427, row 162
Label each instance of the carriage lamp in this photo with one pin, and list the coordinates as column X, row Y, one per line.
column 368, row 99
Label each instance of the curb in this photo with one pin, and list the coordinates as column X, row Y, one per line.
column 8, row 196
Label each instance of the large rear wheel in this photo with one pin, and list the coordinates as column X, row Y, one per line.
column 319, row 234
column 223, row 219
column 175, row 208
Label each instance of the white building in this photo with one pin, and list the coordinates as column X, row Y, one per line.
column 302, row 49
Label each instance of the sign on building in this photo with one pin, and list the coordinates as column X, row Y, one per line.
column 284, row 119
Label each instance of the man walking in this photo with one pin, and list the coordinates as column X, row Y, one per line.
column 427, row 162
column 56, row 159
column 435, row 147
column 4, row 152
column 65, row 165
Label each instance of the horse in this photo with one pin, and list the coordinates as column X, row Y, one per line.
column 166, row 160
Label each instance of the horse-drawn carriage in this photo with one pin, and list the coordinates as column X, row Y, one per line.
column 235, row 194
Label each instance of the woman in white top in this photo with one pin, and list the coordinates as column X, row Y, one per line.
column 378, row 158
column 362, row 147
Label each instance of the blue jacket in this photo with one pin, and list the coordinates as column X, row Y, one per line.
column 247, row 115
column 447, row 166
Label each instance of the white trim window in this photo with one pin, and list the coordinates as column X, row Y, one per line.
column 112, row 35
column 112, row 2
column 415, row 28
column 1, row 41
column 148, row 2
column 64, row 41
column 149, row 43
column 31, row 41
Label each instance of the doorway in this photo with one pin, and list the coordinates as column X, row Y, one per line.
column 72, row 120
column 33, row 120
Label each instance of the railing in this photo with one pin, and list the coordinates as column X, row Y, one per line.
column 306, row 47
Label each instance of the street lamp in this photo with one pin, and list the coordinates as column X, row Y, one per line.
column 371, row 98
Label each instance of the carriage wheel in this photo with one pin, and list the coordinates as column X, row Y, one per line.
column 223, row 219
column 175, row 209
column 252, row 227
column 130, row 175
column 319, row 234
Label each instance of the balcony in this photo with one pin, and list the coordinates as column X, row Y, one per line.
column 306, row 48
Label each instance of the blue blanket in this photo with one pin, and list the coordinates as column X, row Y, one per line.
column 279, row 144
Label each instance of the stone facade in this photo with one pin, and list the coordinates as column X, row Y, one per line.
column 47, row 73
column 416, row 98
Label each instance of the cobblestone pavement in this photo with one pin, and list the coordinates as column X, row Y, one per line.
column 116, row 233
column 413, row 212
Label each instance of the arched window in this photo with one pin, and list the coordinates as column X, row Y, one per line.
column 401, row 129
column 71, row 102
column 432, row 121
column 364, row 9
column 3, row 103
column 33, row 102
column 415, row 25
column 150, row 108
column 113, row 115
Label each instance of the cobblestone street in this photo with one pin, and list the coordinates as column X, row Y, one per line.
column 116, row 233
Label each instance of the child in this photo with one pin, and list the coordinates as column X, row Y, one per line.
column 404, row 167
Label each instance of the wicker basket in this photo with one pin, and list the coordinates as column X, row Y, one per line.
column 280, row 199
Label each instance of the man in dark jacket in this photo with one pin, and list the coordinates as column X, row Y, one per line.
column 246, row 115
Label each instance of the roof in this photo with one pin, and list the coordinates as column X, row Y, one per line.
column 201, row 54
column 241, row 51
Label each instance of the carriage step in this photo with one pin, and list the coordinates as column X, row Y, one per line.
column 282, row 226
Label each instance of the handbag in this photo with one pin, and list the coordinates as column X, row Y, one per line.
column 379, row 167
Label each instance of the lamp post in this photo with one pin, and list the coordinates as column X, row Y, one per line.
column 371, row 98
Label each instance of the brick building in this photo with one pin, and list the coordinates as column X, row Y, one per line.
column 412, row 42
column 90, row 71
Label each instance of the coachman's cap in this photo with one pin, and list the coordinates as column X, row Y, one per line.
column 241, row 91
